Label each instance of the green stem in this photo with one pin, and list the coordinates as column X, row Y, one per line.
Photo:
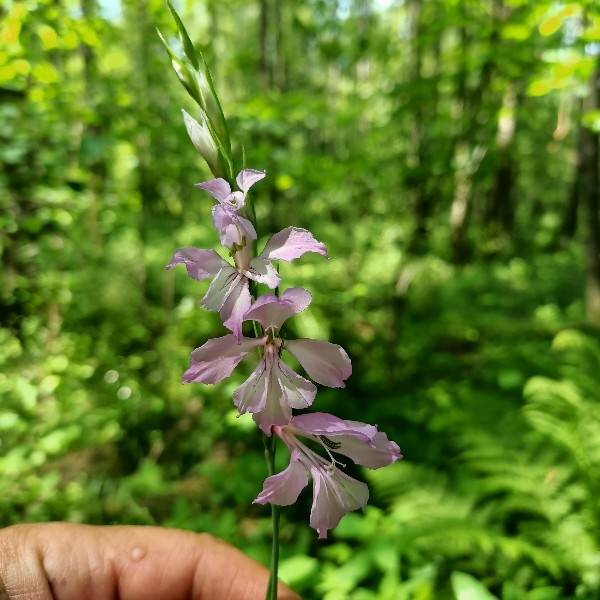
column 271, row 594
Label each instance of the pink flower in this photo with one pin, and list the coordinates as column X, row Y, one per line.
column 273, row 389
column 229, row 293
column 220, row 190
column 233, row 228
column 334, row 492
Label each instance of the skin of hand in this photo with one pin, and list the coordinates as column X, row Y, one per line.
column 62, row 561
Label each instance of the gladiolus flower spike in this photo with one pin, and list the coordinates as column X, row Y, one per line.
column 273, row 391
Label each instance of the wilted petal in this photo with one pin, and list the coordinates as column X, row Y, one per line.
column 361, row 442
column 220, row 287
column 216, row 359
column 236, row 305
column 334, row 495
column 263, row 271
column 325, row 363
column 248, row 177
column 218, row 188
column 291, row 243
column 284, row 488
column 232, row 227
column 273, row 311
column 200, row 264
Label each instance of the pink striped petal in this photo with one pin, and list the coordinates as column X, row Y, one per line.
column 218, row 188
column 325, row 363
column 199, row 264
column 226, row 279
column 263, row 271
column 232, row 228
column 334, row 495
column 248, row 177
column 215, row 360
column 284, row 488
column 273, row 311
column 291, row 243
column 363, row 443
column 236, row 305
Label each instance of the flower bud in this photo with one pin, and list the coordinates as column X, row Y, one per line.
column 202, row 139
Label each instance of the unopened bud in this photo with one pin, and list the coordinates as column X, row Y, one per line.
column 203, row 141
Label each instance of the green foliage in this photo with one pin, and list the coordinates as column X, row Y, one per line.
column 374, row 121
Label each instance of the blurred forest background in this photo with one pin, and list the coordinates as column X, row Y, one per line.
column 447, row 153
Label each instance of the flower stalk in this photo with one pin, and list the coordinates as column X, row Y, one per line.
column 269, row 443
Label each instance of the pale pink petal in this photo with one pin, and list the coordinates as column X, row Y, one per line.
column 236, row 305
column 251, row 396
column 271, row 392
column 361, row 442
column 218, row 188
column 320, row 423
column 297, row 391
column 284, row 488
column 276, row 410
column 325, row 363
column 273, row 311
column 232, row 228
column 216, row 359
column 248, row 177
column 236, row 200
column 263, row 271
column 200, row 264
column 225, row 280
column 261, row 394
column 291, row 243
column 334, row 495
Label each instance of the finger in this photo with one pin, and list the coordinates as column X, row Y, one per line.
column 59, row 561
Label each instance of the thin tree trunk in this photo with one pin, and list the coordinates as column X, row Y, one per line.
column 501, row 208
column 468, row 155
column 421, row 200
column 571, row 214
column 279, row 60
column 264, row 63
column 460, row 210
column 590, row 190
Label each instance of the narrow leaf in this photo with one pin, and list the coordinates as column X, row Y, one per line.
column 188, row 46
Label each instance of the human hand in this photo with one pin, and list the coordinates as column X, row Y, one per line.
column 62, row 561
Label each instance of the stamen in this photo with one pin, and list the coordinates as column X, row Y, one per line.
column 330, row 443
column 334, row 460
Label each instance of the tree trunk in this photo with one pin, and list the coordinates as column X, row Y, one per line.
column 421, row 199
column 279, row 60
column 264, row 64
column 468, row 155
column 571, row 214
column 590, row 195
column 501, row 207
